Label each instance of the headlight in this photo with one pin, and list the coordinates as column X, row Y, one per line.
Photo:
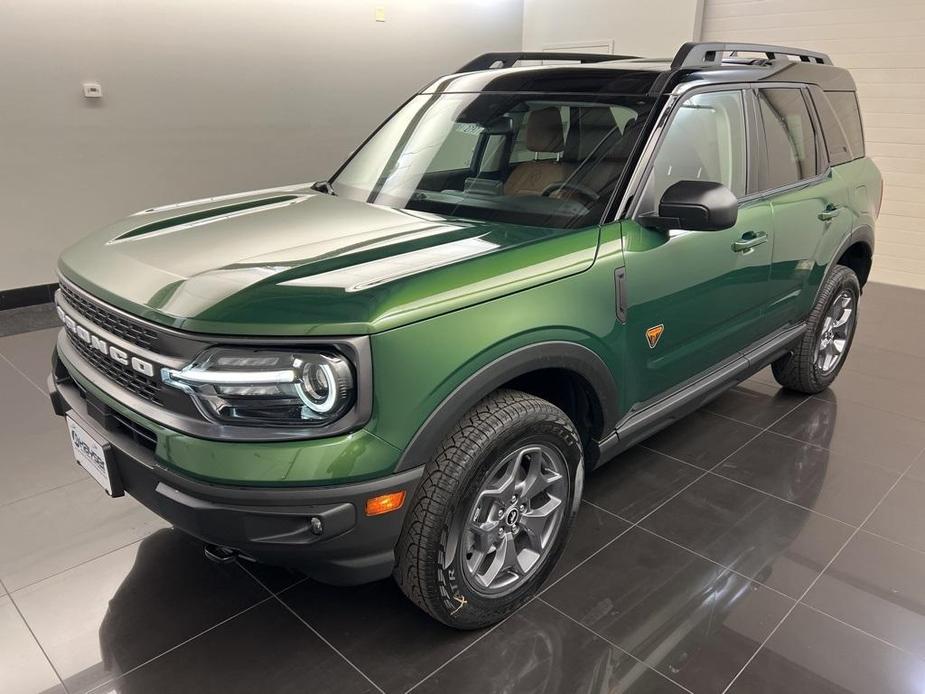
column 274, row 388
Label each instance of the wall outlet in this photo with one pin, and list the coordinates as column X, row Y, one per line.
column 93, row 90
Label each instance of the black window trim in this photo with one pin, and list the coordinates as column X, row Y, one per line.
column 823, row 166
column 857, row 103
column 812, row 90
column 667, row 118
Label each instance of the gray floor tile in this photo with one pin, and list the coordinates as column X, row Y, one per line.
column 23, row 667
column 876, row 586
column 830, row 483
column 31, row 353
column 637, row 592
column 637, row 481
column 266, row 649
column 392, row 640
column 540, row 650
column 36, row 454
column 812, row 653
column 88, row 618
column 893, row 441
column 774, row 542
column 756, row 403
column 702, row 438
column 54, row 531
column 901, row 516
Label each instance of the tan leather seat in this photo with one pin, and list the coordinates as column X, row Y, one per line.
column 596, row 148
column 544, row 135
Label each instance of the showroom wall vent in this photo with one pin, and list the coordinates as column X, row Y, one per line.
column 207, row 216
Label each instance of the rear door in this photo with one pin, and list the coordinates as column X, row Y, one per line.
column 808, row 199
column 704, row 292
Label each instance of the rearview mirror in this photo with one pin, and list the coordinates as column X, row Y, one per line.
column 502, row 125
column 696, row 206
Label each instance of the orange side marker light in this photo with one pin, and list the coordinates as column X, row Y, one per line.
column 386, row 503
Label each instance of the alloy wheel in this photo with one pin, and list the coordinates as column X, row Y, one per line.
column 836, row 330
column 514, row 519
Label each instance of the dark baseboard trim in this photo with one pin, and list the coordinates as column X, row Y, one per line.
column 27, row 296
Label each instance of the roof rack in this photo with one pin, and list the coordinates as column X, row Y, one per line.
column 487, row 60
column 693, row 54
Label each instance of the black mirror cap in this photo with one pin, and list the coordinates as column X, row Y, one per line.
column 696, row 206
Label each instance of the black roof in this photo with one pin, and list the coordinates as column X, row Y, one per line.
column 717, row 63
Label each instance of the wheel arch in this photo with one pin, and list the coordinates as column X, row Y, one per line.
column 855, row 251
column 857, row 254
column 569, row 375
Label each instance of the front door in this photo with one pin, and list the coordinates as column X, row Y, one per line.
column 695, row 297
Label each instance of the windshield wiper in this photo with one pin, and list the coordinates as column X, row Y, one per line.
column 323, row 187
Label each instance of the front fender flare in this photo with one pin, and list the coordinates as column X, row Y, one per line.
column 569, row 356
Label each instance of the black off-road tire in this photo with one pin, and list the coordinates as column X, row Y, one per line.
column 429, row 562
column 798, row 371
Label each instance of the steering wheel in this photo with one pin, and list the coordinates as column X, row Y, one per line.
column 589, row 193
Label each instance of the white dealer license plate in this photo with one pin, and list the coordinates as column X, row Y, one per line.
column 92, row 457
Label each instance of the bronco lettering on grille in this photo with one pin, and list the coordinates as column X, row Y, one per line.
column 120, row 356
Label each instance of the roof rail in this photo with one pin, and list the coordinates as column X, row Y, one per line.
column 693, row 54
column 487, row 60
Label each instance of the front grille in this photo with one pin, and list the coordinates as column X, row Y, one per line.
column 125, row 376
column 143, row 436
column 117, row 325
column 113, row 421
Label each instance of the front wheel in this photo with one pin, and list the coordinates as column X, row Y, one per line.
column 493, row 511
column 815, row 363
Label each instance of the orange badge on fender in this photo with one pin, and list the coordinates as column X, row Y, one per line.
column 653, row 334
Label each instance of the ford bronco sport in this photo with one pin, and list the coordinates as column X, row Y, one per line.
column 408, row 369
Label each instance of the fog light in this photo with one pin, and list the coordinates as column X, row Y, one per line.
column 317, row 526
column 385, row 503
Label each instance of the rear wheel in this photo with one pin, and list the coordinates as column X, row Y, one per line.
column 493, row 511
column 815, row 363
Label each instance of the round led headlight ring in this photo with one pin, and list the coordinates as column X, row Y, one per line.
column 327, row 383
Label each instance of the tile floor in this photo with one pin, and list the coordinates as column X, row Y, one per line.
column 768, row 543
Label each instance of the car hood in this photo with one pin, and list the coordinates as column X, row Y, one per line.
column 291, row 261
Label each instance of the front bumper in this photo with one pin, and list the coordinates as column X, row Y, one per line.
column 268, row 524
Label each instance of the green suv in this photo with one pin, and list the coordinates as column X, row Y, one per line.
column 408, row 369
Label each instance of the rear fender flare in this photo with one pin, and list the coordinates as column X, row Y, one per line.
column 862, row 234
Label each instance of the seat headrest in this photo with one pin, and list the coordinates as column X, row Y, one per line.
column 544, row 130
column 592, row 125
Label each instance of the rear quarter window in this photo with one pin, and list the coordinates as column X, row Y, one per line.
column 845, row 105
column 836, row 141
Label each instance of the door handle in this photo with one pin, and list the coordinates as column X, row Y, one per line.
column 749, row 240
column 829, row 213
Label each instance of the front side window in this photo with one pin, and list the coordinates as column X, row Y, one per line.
column 705, row 141
column 542, row 160
column 791, row 140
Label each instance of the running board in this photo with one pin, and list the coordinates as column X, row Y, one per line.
column 642, row 423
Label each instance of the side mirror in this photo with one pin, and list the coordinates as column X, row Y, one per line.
column 696, row 206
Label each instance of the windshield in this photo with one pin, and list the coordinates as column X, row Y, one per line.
column 548, row 161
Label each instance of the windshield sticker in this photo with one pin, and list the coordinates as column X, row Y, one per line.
column 469, row 128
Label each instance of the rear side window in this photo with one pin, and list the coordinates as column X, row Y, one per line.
column 791, row 141
column 836, row 141
column 846, row 108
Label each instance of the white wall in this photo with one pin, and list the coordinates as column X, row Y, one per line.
column 648, row 28
column 200, row 97
column 883, row 44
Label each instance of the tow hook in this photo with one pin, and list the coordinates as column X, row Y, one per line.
column 219, row 554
